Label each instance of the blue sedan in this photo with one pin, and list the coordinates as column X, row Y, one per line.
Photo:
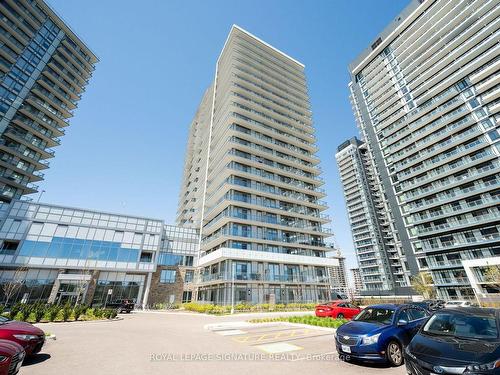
column 380, row 333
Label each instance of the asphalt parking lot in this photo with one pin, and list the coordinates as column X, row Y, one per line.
column 185, row 343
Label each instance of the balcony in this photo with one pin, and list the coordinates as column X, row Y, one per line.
column 266, row 277
column 456, row 224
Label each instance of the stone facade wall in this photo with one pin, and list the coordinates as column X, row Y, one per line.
column 160, row 293
column 89, row 295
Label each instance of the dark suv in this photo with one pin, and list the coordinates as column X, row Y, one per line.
column 122, row 305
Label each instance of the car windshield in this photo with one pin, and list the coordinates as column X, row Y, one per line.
column 462, row 325
column 3, row 319
column 375, row 315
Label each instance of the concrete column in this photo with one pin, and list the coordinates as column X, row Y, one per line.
column 55, row 288
column 89, row 293
column 146, row 291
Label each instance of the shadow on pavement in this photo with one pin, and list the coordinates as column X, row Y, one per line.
column 369, row 364
column 37, row 358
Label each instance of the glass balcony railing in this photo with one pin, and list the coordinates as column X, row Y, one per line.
column 262, row 277
column 297, row 224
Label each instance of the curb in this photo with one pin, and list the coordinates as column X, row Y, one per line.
column 244, row 324
column 80, row 321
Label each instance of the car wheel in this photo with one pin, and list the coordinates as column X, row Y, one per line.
column 394, row 353
column 340, row 316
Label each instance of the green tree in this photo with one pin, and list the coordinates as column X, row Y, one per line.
column 423, row 284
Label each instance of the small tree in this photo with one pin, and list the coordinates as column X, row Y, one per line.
column 422, row 283
column 492, row 276
column 12, row 286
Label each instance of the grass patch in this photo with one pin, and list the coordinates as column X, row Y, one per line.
column 310, row 320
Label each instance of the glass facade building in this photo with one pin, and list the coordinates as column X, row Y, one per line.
column 382, row 262
column 55, row 252
column 44, row 68
column 425, row 96
column 252, row 180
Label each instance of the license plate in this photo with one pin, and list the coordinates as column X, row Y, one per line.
column 346, row 349
column 18, row 366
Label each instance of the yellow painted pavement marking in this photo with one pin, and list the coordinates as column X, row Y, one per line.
column 294, row 333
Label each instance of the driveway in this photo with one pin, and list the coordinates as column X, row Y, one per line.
column 187, row 343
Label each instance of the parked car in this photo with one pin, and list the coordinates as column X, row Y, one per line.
column 25, row 334
column 379, row 333
column 122, row 305
column 430, row 304
column 11, row 357
column 456, row 303
column 434, row 304
column 455, row 341
column 337, row 309
column 338, row 296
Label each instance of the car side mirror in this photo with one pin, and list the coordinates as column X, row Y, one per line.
column 402, row 323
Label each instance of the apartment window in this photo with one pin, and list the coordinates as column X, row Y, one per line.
column 474, row 103
column 146, row 257
column 188, row 277
column 188, row 260
column 167, row 276
column 167, row 259
column 240, row 245
column 187, row 296
column 8, row 247
column 493, row 135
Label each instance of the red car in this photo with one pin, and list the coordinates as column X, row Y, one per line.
column 25, row 334
column 338, row 309
column 11, row 357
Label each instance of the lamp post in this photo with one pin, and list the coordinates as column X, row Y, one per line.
column 232, row 286
column 40, row 196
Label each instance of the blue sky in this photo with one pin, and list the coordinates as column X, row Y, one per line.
column 124, row 150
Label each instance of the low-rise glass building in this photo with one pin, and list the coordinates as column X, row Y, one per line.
column 56, row 253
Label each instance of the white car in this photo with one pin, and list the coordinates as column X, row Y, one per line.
column 449, row 304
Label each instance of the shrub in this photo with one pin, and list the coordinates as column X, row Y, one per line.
column 53, row 311
column 14, row 310
column 39, row 310
column 25, row 311
column 79, row 310
column 98, row 312
column 66, row 311
column 109, row 313
column 2, row 309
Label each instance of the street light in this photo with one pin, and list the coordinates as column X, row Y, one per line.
column 40, row 196
column 232, row 286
